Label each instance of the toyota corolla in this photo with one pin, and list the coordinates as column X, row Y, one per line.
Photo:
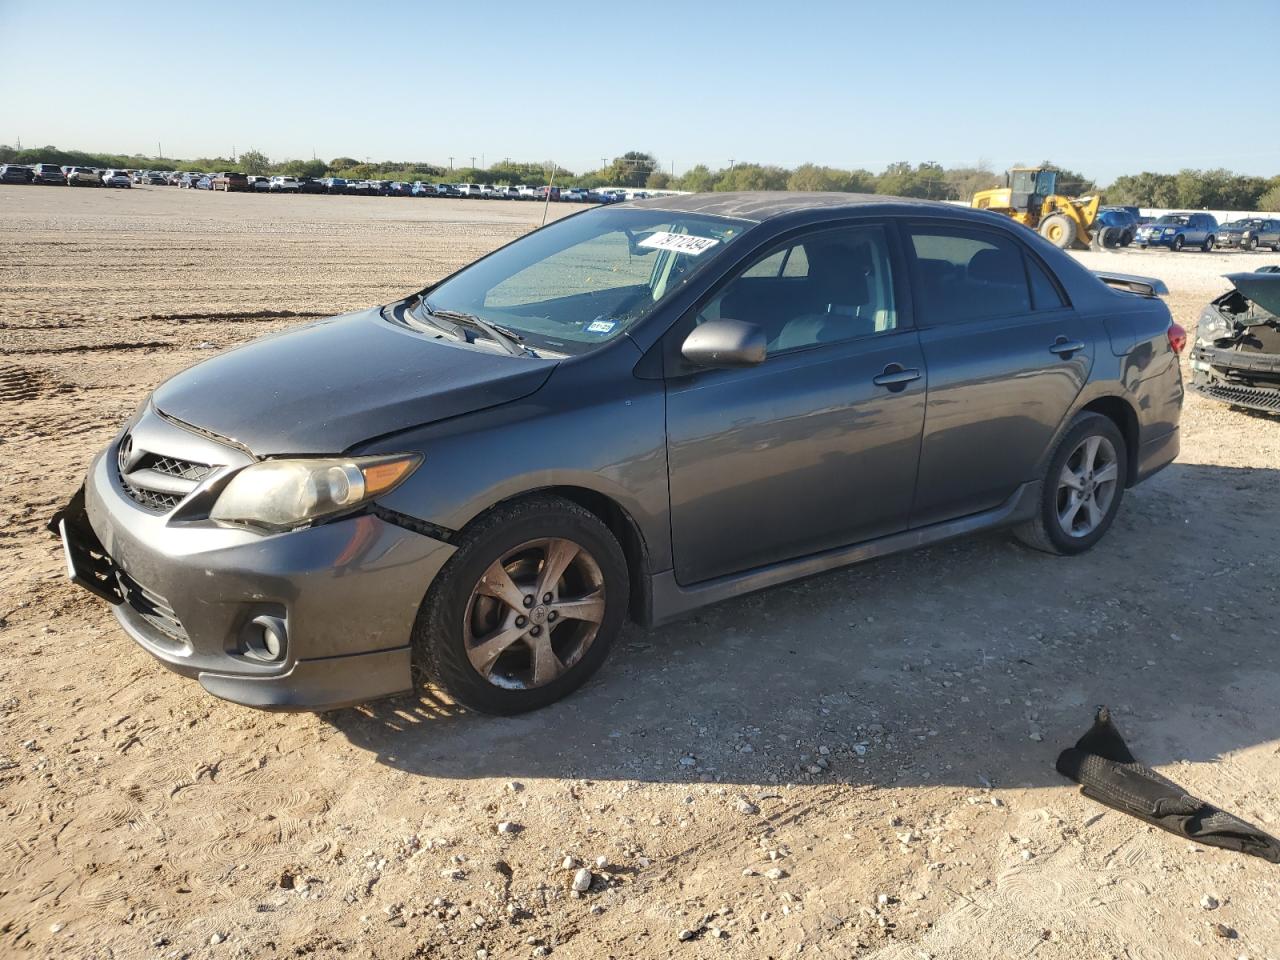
column 629, row 413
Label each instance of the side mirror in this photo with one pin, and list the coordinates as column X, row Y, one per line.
column 725, row 343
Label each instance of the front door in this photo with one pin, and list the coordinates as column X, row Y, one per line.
column 817, row 446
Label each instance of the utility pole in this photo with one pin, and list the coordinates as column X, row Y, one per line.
column 451, row 163
column 731, row 163
column 159, row 151
column 473, row 161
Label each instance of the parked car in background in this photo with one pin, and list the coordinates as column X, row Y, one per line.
column 230, row 181
column 334, row 185
column 548, row 192
column 154, row 179
column 509, row 193
column 1178, row 230
column 469, row 190
column 1114, row 227
column 83, row 177
column 447, row 190
column 258, row 183
column 370, row 518
column 48, row 173
column 398, row 188
column 420, row 189
column 574, row 195
column 528, row 192
column 359, row 188
column 15, row 173
column 116, row 178
column 282, row 184
column 311, row 185
column 1249, row 234
column 1236, row 357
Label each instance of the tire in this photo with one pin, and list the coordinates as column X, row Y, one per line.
column 1251, row 244
column 512, row 536
column 1059, row 230
column 1178, row 243
column 1207, row 246
column 1126, row 238
column 1046, row 530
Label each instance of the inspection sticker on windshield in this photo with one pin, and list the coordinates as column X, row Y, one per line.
column 679, row 242
column 601, row 326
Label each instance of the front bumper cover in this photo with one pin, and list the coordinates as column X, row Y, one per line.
column 347, row 593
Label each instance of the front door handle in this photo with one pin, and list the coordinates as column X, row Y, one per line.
column 1065, row 348
column 896, row 377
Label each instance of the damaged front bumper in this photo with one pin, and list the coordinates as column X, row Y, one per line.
column 1232, row 376
column 341, row 597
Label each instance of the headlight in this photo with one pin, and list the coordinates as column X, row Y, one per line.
column 282, row 494
column 1212, row 326
column 1169, row 231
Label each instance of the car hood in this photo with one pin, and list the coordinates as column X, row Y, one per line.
column 330, row 385
column 1262, row 288
column 1235, row 228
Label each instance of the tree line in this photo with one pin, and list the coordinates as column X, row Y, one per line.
column 1216, row 189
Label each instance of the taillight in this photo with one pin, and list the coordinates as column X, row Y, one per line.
column 1177, row 337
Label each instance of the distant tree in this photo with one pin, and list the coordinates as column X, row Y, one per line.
column 809, row 176
column 966, row 181
column 631, row 169
column 658, row 181
column 304, row 168
column 254, row 162
column 1270, row 200
column 342, row 163
column 928, row 181
column 752, row 176
column 697, row 179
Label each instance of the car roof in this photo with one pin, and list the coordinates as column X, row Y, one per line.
column 764, row 205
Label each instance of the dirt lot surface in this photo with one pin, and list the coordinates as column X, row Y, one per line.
column 860, row 765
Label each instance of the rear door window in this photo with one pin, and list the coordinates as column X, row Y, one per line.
column 965, row 274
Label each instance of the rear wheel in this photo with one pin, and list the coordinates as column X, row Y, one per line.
column 1059, row 230
column 1082, row 488
column 526, row 609
column 1207, row 246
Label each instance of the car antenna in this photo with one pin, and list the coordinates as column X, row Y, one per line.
column 547, row 204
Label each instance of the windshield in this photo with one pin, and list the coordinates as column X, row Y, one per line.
column 1172, row 218
column 588, row 278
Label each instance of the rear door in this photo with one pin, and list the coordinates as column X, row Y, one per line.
column 1006, row 357
column 817, row 446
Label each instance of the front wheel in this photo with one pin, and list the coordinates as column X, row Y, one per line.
column 1178, row 243
column 526, row 609
column 1082, row 488
column 1251, row 244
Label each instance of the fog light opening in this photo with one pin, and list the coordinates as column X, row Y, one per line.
column 267, row 639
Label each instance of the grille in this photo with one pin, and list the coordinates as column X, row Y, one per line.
column 149, row 478
column 150, row 499
column 153, row 608
column 1246, row 396
column 180, row 468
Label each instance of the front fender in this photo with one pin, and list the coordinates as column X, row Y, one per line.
column 607, row 436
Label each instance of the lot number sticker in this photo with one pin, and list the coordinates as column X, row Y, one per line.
column 679, row 242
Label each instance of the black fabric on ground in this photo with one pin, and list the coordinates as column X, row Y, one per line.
column 1108, row 772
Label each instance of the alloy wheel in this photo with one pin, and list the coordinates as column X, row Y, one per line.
column 534, row 613
column 1087, row 486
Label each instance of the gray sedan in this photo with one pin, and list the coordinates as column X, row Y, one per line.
column 630, row 413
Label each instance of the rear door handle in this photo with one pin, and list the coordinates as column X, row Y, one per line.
column 896, row 377
column 1065, row 348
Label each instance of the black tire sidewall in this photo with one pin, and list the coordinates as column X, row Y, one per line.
column 1084, row 426
column 438, row 635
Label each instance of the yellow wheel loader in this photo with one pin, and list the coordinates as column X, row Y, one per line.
column 1032, row 199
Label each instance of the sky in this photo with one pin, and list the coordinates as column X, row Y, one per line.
column 1104, row 88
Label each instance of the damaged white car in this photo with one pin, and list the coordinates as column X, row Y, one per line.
column 1236, row 358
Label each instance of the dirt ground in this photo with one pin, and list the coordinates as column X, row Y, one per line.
column 882, row 737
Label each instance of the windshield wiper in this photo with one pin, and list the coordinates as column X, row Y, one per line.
column 509, row 340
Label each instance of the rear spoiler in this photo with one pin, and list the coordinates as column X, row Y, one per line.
column 1132, row 283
